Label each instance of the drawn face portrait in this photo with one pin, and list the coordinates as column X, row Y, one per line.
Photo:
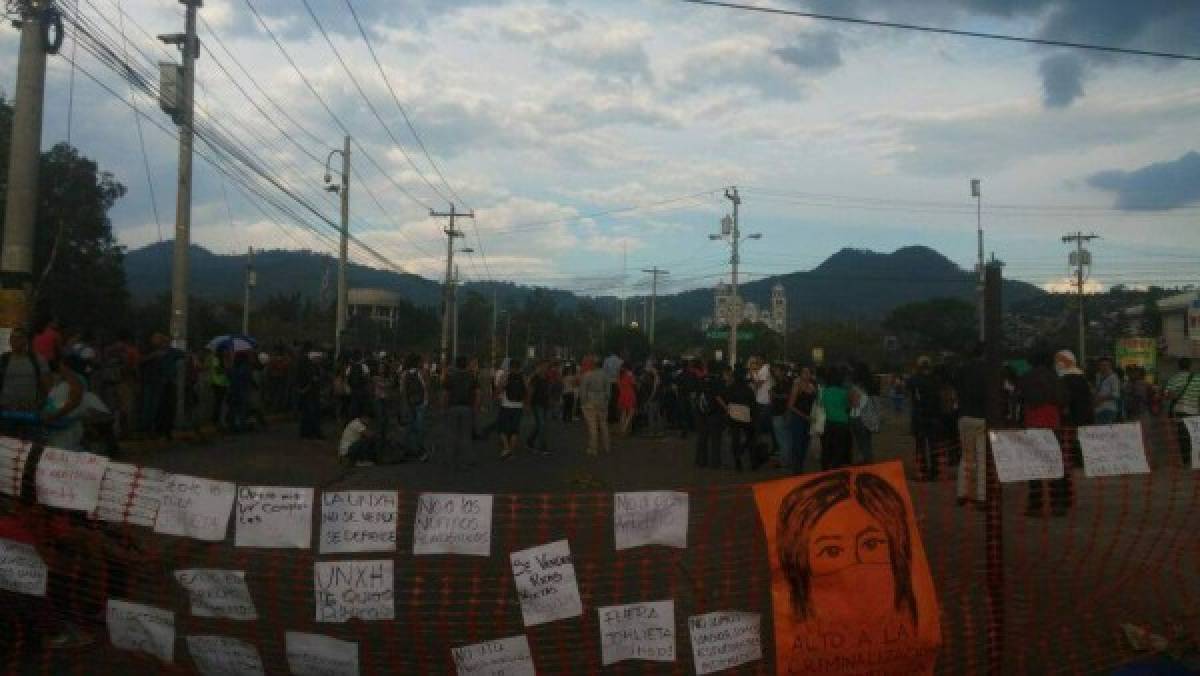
column 845, row 548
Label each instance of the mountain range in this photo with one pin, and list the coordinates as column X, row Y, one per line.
column 850, row 284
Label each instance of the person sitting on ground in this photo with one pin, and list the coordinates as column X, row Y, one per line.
column 359, row 445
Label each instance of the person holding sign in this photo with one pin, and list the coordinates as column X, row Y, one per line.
column 1043, row 399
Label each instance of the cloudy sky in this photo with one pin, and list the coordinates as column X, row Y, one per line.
column 581, row 130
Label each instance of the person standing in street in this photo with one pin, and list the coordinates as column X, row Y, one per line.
column 593, row 403
column 708, row 403
column 800, row 405
column 540, row 400
column 308, row 389
column 971, row 387
column 1183, row 400
column 218, row 381
column 836, row 440
column 1108, row 393
column 460, row 397
column 513, row 393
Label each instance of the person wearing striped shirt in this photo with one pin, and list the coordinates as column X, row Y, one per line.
column 1183, row 400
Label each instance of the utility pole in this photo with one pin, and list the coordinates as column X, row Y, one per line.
column 492, row 363
column 454, row 298
column 507, row 331
column 654, row 273
column 24, row 160
column 184, row 115
column 343, row 293
column 250, row 282
column 977, row 193
column 993, row 528
column 1080, row 257
column 448, row 289
column 623, row 265
column 735, row 315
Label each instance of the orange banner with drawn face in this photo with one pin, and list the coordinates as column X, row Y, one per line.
column 850, row 583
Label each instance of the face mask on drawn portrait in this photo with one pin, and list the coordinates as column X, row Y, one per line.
column 850, row 561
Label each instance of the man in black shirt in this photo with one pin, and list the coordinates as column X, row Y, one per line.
column 971, row 388
column 460, row 397
column 709, row 405
column 539, row 404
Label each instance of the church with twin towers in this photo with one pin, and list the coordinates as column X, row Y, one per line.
column 724, row 307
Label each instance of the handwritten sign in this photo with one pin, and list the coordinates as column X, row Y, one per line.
column 69, row 479
column 13, row 454
column 21, row 569
column 650, row 518
column 1026, row 455
column 316, row 655
column 1193, row 429
column 504, row 657
column 358, row 521
column 724, row 640
column 130, row 494
column 195, row 507
column 224, row 656
column 218, row 593
column 141, row 628
column 638, row 631
column 1113, row 450
column 451, row 523
column 274, row 516
column 545, row 579
column 347, row 590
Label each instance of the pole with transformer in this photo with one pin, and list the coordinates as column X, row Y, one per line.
column 980, row 273
column 182, row 109
column 24, row 162
column 735, row 310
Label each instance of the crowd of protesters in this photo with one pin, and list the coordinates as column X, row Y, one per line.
column 87, row 394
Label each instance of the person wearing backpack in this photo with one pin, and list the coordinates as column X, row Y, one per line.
column 416, row 399
column 460, row 396
column 24, row 380
column 513, row 393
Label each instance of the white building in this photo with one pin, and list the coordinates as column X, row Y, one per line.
column 775, row 317
column 1179, row 339
column 380, row 305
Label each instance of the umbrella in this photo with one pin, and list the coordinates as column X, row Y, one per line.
column 233, row 342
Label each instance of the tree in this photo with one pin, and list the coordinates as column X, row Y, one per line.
column 937, row 324
column 78, row 273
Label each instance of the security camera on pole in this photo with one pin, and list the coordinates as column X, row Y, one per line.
column 731, row 231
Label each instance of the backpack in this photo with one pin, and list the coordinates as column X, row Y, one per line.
column 37, row 374
column 869, row 414
column 414, row 389
column 460, row 385
column 514, row 388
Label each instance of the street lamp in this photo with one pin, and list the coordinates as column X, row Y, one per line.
column 343, row 192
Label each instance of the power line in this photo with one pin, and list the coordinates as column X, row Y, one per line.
column 947, row 31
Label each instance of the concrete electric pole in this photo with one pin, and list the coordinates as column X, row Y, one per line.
column 24, row 159
column 980, row 273
column 448, row 289
column 654, row 273
column 1080, row 258
column 730, row 229
column 343, row 293
column 250, row 282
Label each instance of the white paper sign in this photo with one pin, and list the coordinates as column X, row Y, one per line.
column 218, row 593
column 195, row 507
column 724, row 640
column 1026, row 455
column 141, row 628
column 69, row 479
column 545, row 578
column 638, row 631
column 22, row 569
column 1113, row 450
column 452, row 523
column 505, row 657
column 358, row 521
column 130, row 494
column 354, row 589
column 224, row 656
column 274, row 516
column 1193, row 429
column 650, row 518
column 13, row 454
column 316, row 655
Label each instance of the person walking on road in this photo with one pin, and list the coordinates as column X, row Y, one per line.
column 709, row 404
column 513, row 393
column 593, row 402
